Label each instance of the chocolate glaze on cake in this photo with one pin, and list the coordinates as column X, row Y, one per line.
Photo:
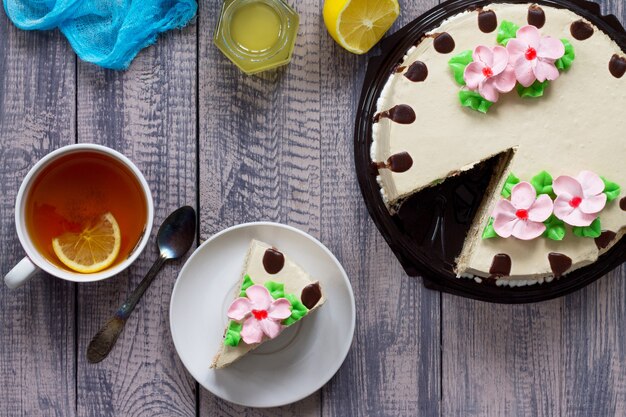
column 401, row 113
column 581, row 30
column 559, row 263
column 487, row 21
column 417, row 72
column 536, row 16
column 273, row 261
column 617, row 66
column 501, row 265
column 311, row 294
column 605, row 238
column 443, row 43
column 400, row 162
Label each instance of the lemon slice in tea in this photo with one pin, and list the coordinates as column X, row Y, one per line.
column 91, row 250
column 358, row 25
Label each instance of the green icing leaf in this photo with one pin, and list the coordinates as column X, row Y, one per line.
column 298, row 310
column 458, row 63
column 247, row 283
column 611, row 189
column 542, row 183
column 555, row 228
column 489, row 231
column 474, row 101
column 276, row 289
column 506, row 32
column 233, row 333
column 566, row 60
column 510, row 182
column 593, row 230
column 535, row 90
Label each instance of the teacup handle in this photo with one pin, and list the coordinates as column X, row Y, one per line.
column 20, row 274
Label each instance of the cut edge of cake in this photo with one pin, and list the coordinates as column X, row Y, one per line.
column 498, row 178
column 393, row 206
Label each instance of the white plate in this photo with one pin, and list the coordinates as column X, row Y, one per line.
column 294, row 365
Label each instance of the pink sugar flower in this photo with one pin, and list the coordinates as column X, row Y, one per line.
column 532, row 56
column 490, row 73
column 523, row 216
column 262, row 314
column 579, row 200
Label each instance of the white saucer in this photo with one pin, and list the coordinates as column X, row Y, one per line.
column 294, row 365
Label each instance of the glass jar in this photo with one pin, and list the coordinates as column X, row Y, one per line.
column 257, row 35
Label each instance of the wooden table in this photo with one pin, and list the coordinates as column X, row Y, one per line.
column 272, row 147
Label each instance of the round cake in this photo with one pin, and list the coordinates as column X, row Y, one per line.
column 540, row 90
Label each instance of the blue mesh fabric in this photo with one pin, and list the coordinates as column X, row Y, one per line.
column 108, row 33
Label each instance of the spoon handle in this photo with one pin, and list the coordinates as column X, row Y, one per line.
column 129, row 305
column 105, row 339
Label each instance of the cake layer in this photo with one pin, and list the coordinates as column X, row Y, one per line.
column 577, row 125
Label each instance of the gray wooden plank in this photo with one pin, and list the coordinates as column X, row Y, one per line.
column 501, row 360
column 394, row 366
column 148, row 114
column 37, row 332
column 259, row 152
column 259, row 135
column 594, row 349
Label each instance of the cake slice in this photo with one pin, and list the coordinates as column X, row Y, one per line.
column 274, row 293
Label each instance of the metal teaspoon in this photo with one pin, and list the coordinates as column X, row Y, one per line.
column 174, row 238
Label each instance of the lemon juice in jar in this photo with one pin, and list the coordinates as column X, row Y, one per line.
column 257, row 35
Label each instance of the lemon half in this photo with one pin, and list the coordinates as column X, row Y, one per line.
column 93, row 249
column 358, row 25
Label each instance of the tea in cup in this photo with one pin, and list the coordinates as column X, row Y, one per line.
column 83, row 213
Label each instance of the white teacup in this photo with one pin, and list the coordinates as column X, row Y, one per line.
column 34, row 260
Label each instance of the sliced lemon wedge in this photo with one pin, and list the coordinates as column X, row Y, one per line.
column 358, row 25
column 91, row 250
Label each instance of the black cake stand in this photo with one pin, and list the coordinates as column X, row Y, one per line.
column 427, row 233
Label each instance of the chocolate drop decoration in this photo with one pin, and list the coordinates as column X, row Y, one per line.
column 500, row 266
column 581, row 30
column 622, row 203
column 617, row 66
column 487, row 21
column 400, row 162
column 311, row 295
column 417, row 72
column 605, row 239
column 401, row 113
column 559, row 263
column 443, row 43
column 273, row 261
column 536, row 16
